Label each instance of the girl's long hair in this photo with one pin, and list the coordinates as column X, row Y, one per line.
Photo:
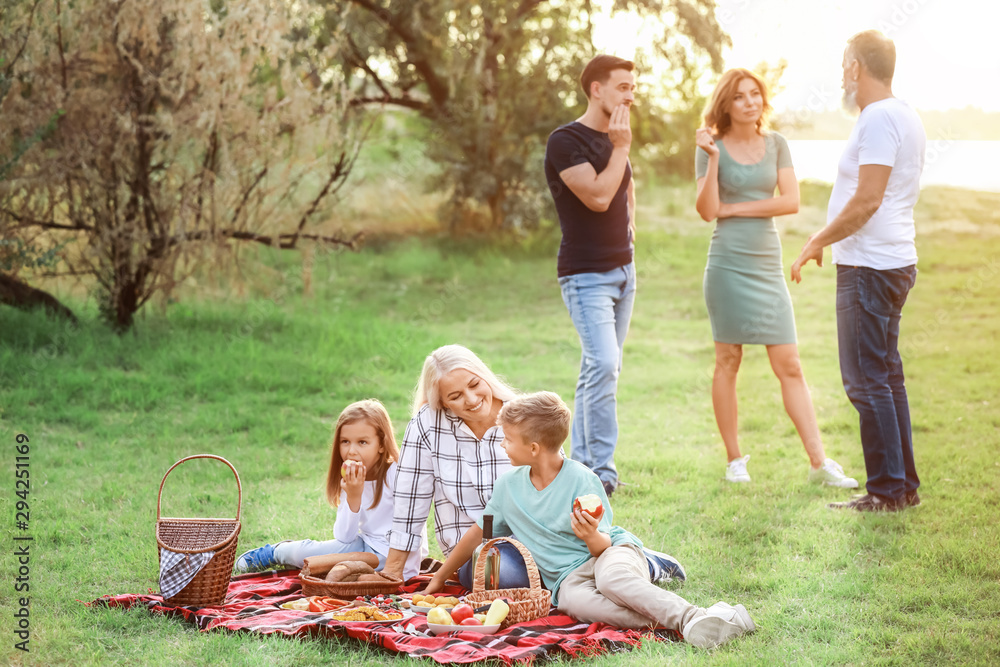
column 716, row 113
column 372, row 412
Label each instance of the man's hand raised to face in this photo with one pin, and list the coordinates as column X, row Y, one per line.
column 620, row 128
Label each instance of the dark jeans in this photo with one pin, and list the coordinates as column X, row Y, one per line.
column 869, row 307
column 513, row 571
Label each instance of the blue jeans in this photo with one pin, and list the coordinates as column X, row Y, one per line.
column 600, row 305
column 294, row 552
column 869, row 307
column 513, row 571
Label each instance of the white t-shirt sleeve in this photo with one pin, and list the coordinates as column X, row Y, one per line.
column 348, row 523
column 878, row 140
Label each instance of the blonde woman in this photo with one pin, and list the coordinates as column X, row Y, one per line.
column 452, row 454
column 738, row 166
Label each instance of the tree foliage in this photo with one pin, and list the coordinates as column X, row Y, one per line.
column 493, row 78
column 182, row 127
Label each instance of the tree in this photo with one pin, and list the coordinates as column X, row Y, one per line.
column 183, row 127
column 493, row 78
column 15, row 253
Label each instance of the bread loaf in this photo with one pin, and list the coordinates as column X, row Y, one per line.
column 348, row 570
column 319, row 566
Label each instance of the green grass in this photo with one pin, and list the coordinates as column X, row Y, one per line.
column 259, row 379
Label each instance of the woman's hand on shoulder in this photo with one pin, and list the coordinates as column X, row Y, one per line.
column 704, row 140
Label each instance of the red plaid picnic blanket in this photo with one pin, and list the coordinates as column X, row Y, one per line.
column 253, row 605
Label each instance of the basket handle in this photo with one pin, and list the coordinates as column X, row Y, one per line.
column 479, row 577
column 239, row 487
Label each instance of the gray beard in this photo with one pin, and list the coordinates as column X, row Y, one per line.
column 850, row 103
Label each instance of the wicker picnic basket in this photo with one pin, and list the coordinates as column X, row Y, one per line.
column 527, row 603
column 348, row 590
column 192, row 536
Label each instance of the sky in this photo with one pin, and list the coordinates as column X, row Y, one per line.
column 947, row 51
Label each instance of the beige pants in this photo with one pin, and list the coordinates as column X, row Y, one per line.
column 614, row 588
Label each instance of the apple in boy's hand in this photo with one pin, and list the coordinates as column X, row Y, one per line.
column 591, row 504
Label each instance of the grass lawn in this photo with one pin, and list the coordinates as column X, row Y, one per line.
column 259, row 378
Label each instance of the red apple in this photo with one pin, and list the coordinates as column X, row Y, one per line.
column 591, row 504
column 472, row 620
column 461, row 613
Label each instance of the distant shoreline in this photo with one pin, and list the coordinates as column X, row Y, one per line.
column 949, row 162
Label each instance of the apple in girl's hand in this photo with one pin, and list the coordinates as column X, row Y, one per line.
column 591, row 504
column 347, row 466
column 460, row 613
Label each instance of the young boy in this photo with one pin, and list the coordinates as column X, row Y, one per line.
column 596, row 571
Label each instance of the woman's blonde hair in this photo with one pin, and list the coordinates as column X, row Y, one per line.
column 716, row 113
column 446, row 359
column 373, row 413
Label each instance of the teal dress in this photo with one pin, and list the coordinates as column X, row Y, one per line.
column 745, row 289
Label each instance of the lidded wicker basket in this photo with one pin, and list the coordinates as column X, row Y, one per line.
column 526, row 604
column 193, row 536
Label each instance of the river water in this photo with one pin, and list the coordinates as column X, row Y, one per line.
column 963, row 164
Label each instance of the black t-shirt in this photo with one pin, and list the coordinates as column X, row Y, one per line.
column 592, row 242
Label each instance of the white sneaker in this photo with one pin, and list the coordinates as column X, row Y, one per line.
column 720, row 623
column 831, row 474
column 736, row 471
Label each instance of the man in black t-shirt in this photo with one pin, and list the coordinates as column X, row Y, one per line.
column 589, row 175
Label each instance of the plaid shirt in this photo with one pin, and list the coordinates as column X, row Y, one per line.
column 442, row 461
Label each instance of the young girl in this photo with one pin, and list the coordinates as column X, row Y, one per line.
column 360, row 485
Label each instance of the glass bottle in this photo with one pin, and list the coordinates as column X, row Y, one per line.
column 491, row 568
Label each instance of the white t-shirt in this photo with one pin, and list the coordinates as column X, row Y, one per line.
column 889, row 133
column 373, row 524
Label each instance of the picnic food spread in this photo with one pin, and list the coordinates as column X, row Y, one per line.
column 367, row 613
column 445, row 601
column 464, row 614
column 315, row 603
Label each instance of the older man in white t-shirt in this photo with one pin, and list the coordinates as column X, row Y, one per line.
column 870, row 225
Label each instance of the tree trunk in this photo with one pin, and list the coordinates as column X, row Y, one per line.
column 15, row 293
column 125, row 304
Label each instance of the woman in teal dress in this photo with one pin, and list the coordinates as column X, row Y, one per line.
column 738, row 166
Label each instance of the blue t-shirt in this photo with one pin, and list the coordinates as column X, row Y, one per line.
column 541, row 519
column 592, row 241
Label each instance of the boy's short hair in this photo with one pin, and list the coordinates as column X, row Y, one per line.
column 600, row 68
column 541, row 417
